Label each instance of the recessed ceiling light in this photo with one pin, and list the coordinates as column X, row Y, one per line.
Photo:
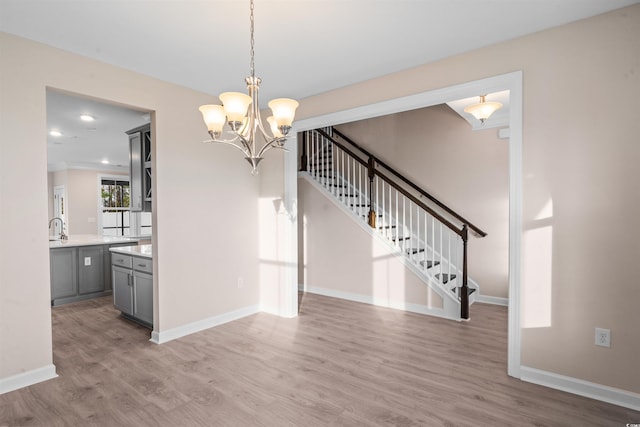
column 87, row 118
column 105, row 162
column 55, row 132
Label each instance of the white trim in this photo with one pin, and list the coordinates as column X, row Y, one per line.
column 28, row 378
column 588, row 389
column 200, row 325
column 487, row 299
column 290, row 197
column 514, row 82
column 379, row 302
column 510, row 81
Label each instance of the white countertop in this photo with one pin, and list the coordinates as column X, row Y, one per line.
column 89, row 240
column 144, row 251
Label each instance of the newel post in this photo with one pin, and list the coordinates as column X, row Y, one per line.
column 464, row 290
column 371, row 173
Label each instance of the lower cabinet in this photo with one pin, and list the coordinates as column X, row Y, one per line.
column 64, row 278
column 77, row 273
column 132, row 284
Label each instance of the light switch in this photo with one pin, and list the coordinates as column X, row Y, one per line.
column 87, row 261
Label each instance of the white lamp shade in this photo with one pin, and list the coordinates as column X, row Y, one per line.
column 213, row 116
column 284, row 110
column 274, row 127
column 235, row 105
column 483, row 110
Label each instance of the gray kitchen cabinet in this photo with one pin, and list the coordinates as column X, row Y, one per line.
column 64, row 282
column 81, row 272
column 143, row 296
column 90, row 269
column 107, row 257
column 140, row 168
column 122, row 289
column 132, row 284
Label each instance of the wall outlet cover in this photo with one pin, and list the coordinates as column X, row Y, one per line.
column 603, row 337
column 87, row 261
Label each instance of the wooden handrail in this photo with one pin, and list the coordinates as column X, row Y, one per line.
column 447, row 209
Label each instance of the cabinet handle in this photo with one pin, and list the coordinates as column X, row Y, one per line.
column 142, row 265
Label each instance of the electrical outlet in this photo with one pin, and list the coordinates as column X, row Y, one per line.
column 87, row 261
column 240, row 282
column 603, row 337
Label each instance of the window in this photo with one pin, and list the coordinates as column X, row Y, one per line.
column 115, row 196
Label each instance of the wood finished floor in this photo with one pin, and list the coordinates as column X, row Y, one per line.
column 338, row 363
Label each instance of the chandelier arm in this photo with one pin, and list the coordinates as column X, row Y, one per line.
column 272, row 144
column 231, row 143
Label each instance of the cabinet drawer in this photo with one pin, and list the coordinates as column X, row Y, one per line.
column 143, row 264
column 121, row 260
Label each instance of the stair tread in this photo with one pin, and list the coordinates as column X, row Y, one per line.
column 395, row 238
column 413, row 251
column 430, row 263
column 445, row 277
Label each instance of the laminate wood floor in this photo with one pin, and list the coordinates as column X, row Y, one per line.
column 338, row 363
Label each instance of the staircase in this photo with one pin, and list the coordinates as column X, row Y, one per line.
column 431, row 237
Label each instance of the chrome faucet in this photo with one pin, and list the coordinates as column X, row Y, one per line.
column 62, row 235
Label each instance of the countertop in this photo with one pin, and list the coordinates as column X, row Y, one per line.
column 90, row 240
column 143, row 251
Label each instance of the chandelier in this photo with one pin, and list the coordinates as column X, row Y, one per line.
column 241, row 113
column 483, row 110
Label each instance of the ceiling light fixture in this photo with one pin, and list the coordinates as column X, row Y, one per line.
column 245, row 125
column 87, row 118
column 483, row 110
column 55, row 132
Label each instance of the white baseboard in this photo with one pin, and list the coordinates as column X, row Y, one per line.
column 190, row 328
column 380, row 302
column 28, row 378
column 486, row 299
column 601, row 392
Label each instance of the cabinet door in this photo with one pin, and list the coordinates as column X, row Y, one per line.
column 143, row 296
column 90, row 270
column 135, row 177
column 63, row 272
column 121, row 282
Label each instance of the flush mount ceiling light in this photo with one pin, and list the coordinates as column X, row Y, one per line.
column 87, row 118
column 55, row 132
column 246, row 125
column 483, row 110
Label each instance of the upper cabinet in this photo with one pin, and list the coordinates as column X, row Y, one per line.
column 140, row 168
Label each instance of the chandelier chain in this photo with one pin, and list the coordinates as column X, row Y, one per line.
column 253, row 71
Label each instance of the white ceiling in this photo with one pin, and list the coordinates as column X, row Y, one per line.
column 303, row 47
column 85, row 145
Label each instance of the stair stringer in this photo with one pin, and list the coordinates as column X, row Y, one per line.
column 451, row 304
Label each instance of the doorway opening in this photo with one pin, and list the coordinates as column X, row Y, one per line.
column 511, row 82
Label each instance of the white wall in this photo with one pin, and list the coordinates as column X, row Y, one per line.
column 199, row 243
column 339, row 258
